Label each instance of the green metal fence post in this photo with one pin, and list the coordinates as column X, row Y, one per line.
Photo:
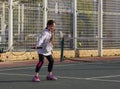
column 62, row 50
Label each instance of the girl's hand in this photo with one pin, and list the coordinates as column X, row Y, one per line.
column 53, row 31
column 52, row 40
column 36, row 47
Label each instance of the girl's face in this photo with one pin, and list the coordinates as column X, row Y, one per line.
column 52, row 27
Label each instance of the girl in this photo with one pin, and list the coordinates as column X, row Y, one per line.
column 45, row 45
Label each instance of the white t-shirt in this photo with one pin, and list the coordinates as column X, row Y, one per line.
column 44, row 42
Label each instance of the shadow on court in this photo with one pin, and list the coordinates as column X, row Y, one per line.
column 78, row 75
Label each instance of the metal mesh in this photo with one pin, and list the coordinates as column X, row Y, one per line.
column 28, row 23
column 111, row 23
column 87, row 19
column 61, row 11
column 3, row 25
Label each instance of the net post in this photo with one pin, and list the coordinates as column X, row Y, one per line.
column 62, row 45
column 62, row 50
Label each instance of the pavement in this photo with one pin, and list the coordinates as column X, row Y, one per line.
column 96, row 73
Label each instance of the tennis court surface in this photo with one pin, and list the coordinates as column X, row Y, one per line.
column 71, row 75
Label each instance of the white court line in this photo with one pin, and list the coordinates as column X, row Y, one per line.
column 40, row 76
column 104, row 80
column 75, row 78
column 63, row 77
column 110, row 76
column 95, row 79
column 1, row 69
column 34, row 67
column 15, row 68
column 15, row 74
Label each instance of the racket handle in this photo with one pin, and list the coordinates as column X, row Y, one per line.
column 35, row 47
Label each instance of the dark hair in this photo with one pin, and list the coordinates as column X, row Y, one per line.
column 50, row 22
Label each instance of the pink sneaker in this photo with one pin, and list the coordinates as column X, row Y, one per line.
column 51, row 77
column 36, row 79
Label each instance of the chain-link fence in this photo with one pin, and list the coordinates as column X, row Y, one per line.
column 87, row 24
column 111, row 23
column 61, row 11
column 28, row 22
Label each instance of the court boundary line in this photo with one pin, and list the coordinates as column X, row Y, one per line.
column 64, row 77
column 104, row 80
column 13, row 68
column 27, row 67
column 109, row 76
